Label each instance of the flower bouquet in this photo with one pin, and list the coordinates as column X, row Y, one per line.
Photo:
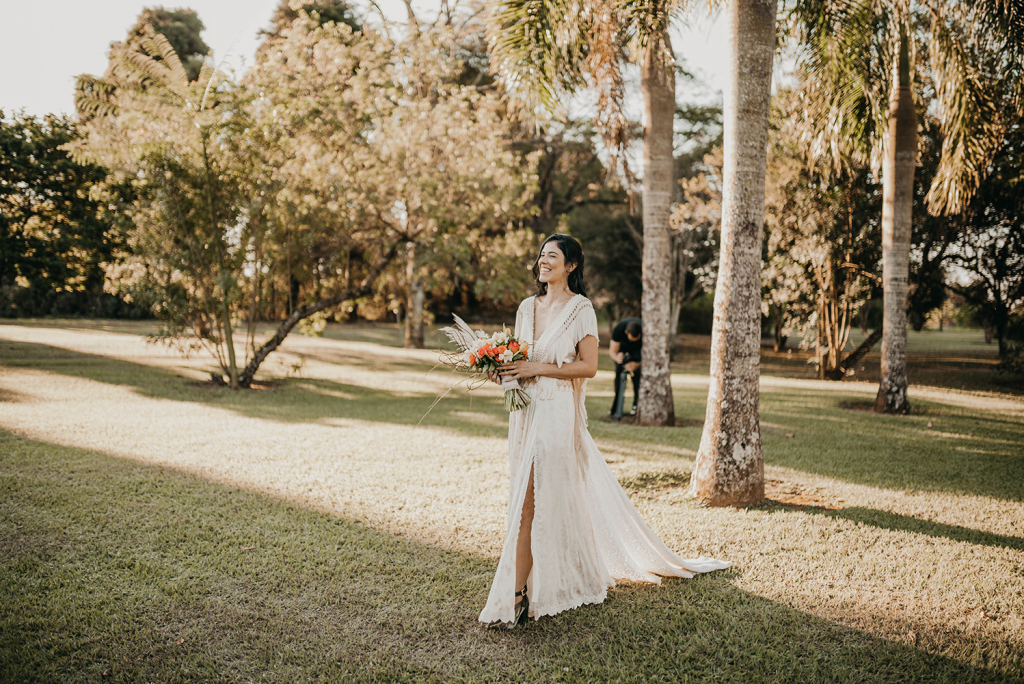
column 480, row 353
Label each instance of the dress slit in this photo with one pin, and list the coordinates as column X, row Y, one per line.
column 531, row 484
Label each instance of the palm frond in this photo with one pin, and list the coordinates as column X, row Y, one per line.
column 158, row 45
column 971, row 120
column 848, row 61
column 537, row 49
column 94, row 96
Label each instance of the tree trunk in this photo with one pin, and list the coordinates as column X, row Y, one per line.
column 414, row 298
column 229, row 342
column 780, row 339
column 365, row 288
column 897, row 210
column 855, row 356
column 682, row 246
column 658, row 84
column 729, row 468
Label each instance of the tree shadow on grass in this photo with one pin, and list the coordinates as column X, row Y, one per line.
column 854, row 446
column 135, row 572
column 906, row 523
column 297, row 400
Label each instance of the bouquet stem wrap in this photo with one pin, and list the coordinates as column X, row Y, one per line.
column 516, row 397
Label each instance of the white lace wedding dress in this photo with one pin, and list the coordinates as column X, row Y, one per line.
column 586, row 533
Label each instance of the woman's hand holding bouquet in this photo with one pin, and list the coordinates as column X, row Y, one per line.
column 479, row 353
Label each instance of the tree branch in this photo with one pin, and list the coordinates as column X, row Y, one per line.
column 856, row 355
column 363, row 289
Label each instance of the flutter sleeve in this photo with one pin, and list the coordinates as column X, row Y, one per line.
column 584, row 324
column 581, row 322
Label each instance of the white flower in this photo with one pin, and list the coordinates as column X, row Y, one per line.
column 506, row 357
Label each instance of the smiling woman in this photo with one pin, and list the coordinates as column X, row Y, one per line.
column 572, row 531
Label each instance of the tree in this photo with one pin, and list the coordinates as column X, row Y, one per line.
column 199, row 202
column 181, row 28
column 154, row 124
column 542, row 50
column 570, row 174
column 696, row 211
column 862, row 102
column 54, row 236
column 729, row 468
column 381, row 136
column 325, row 11
column 696, row 221
column 822, row 245
column 991, row 243
column 933, row 237
column 454, row 169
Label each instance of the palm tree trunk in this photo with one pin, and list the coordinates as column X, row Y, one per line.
column 729, row 468
column 414, row 300
column 658, row 84
column 897, row 213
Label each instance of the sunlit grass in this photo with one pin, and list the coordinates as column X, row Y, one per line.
column 310, row 530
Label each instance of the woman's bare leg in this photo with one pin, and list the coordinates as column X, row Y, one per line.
column 524, row 551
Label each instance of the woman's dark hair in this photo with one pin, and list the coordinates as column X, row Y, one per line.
column 573, row 255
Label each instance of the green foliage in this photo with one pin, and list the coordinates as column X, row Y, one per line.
column 933, row 237
column 822, row 241
column 162, row 135
column 1011, row 360
column 181, row 28
column 287, row 11
column 55, row 232
column 698, row 315
column 275, row 196
column 991, row 243
column 850, row 51
column 614, row 259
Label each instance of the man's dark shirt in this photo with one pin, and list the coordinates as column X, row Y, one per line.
column 626, row 345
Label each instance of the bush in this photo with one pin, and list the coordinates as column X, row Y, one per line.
column 698, row 316
column 1012, row 359
column 26, row 302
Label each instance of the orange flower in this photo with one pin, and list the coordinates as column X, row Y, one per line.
column 501, row 349
column 472, row 359
column 525, row 348
column 514, row 346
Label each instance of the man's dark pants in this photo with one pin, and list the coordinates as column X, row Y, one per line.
column 619, row 370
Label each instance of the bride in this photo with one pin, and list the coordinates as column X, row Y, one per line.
column 572, row 531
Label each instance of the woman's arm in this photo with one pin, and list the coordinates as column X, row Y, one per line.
column 584, row 367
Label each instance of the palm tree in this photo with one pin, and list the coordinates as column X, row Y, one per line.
column 542, row 49
column 859, row 65
column 729, row 468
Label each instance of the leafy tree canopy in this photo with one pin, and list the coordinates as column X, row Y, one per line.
column 182, row 28
column 53, row 237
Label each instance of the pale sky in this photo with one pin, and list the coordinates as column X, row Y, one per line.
column 44, row 44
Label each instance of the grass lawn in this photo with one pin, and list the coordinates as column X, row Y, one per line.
column 153, row 528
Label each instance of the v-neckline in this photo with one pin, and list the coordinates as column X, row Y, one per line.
column 556, row 319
